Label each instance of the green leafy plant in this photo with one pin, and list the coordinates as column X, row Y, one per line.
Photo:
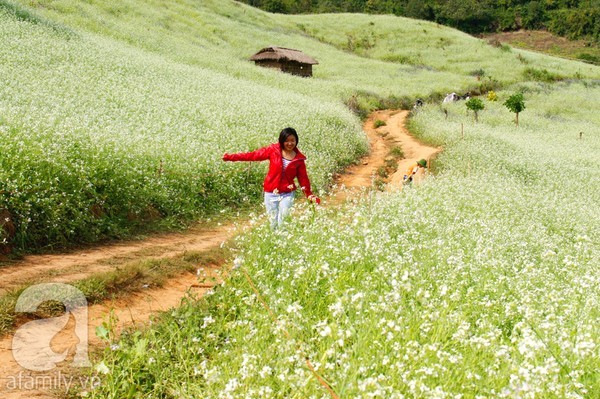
column 475, row 105
column 515, row 104
column 522, row 59
column 382, row 172
column 379, row 123
column 478, row 73
column 396, row 152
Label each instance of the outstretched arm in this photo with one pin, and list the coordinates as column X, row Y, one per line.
column 262, row 154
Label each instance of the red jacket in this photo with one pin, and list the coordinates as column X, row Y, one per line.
column 277, row 178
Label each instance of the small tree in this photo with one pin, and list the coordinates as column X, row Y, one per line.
column 475, row 105
column 515, row 104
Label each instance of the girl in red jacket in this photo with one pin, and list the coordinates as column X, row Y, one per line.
column 286, row 163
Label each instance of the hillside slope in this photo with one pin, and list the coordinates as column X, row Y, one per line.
column 114, row 115
column 222, row 35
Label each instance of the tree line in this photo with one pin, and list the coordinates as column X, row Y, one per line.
column 575, row 19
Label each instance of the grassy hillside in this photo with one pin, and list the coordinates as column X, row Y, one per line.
column 426, row 45
column 221, row 35
column 115, row 114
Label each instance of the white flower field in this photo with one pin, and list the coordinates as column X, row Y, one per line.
column 482, row 282
column 91, row 124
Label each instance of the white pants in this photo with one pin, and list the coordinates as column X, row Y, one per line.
column 278, row 207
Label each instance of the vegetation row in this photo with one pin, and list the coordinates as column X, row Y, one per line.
column 574, row 19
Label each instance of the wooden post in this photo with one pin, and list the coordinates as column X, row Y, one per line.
column 462, row 131
column 580, row 135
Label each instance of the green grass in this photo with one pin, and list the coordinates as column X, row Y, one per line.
column 378, row 123
column 396, row 152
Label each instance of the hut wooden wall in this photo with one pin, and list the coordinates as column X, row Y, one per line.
column 294, row 68
column 297, row 68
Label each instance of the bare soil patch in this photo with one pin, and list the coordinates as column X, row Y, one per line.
column 546, row 42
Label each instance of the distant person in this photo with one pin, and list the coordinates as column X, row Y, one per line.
column 450, row 98
column 286, row 163
column 418, row 167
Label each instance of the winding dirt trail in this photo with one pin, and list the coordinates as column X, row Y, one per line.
column 17, row 381
column 413, row 150
column 73, row 266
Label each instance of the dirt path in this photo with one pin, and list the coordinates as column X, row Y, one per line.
column 413, row 150
column 77, row 265
column 359, row 177
column 20, row 382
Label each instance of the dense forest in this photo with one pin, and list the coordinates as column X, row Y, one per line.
column 575, row 19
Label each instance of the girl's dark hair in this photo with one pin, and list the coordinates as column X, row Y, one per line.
column 285, row 133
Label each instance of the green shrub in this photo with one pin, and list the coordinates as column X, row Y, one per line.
column 360, row 42
column 486, row 85
column 541, row 75
column 475, row 105
column 7, row 313
column 478, row 73
column 362, row 103
column 592, row 59
column 515, row 104
column 400, row 59
column 379, row 123
column 382, row 172
column 522, row 59
column 396, row 152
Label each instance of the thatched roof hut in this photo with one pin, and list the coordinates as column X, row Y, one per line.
column 285, row 59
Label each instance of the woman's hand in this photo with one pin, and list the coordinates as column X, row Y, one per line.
column 314, row 199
